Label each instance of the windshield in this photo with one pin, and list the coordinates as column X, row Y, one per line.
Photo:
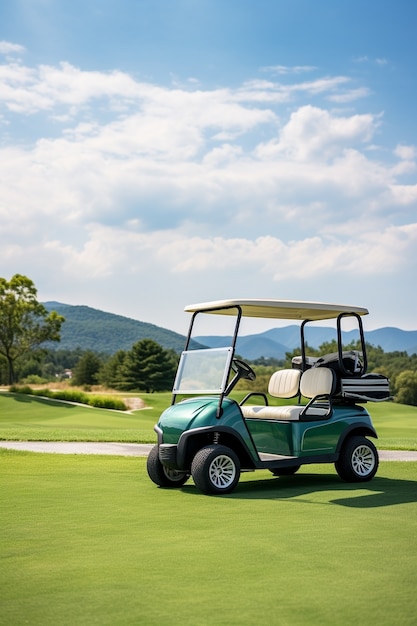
column 203, row 371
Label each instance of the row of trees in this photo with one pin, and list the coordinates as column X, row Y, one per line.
column 145, row 367
column 148, row 367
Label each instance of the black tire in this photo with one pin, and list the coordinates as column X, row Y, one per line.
column 358, row 460
column 286, row 471
column 161, row 475
column 215, row 469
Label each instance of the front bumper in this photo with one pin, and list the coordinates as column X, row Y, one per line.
column 168, row 455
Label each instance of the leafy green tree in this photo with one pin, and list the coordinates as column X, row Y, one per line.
column 55, row 362
column 148, row 367
column 25, row 324
column 406, row 388
column 3, row 370
column 87, row 368
column 111, row 372
column 30, row 366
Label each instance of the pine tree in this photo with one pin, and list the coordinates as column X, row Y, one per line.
column 148, row 367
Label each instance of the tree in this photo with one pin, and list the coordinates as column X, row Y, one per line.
column 111, row 372
column 406, row 388
column 85, row 372
column 25, row 324
column 3, row 370
column 148, row 367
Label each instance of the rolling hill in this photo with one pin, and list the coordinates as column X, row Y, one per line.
column 92, row 329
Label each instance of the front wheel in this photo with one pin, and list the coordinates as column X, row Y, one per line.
column 161, row 475
column 215, row 469
column 358, row 460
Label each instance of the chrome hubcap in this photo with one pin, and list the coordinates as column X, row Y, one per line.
column 222, row 471
column 363, row 460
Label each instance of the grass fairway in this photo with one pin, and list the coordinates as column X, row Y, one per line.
column 31, row 418
column 396, row 425
column 90, row 540
column 27, row 418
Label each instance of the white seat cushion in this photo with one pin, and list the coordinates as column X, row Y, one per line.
column 314, row 382
column 284, row 383
column 286, row 413
column 317, row 381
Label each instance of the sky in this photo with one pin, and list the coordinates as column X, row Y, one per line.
column 158, row 153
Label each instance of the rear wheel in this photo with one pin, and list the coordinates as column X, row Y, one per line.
column 216, row 469
column 358, row 460
column 161, row 475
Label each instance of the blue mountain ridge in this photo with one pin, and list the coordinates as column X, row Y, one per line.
column 93, row 329
column 277, row 341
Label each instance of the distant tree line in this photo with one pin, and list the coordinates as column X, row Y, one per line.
column 149, row 367
column 146, row 367
column 26, row 326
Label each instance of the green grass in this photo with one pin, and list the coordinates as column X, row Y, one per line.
column 90, row 540
column 396, row 425
column 26, row 418
column 30, row 418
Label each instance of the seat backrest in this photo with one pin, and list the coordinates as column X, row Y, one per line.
column 317, row 381
column 284, row 383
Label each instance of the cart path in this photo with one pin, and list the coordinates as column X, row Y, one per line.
column 141, row 449
column 80, row 447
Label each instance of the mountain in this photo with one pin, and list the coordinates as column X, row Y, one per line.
column 250, row 347
column 277, row 341
column 392, row 339
column 92, row 329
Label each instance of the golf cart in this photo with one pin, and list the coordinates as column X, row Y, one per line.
column 208, row 435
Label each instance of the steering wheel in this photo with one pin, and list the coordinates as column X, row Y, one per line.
column 243, row 370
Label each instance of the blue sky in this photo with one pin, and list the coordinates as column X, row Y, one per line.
column 156, row 153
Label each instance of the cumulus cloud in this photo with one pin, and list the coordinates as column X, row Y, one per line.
column 312, row 132
column 125, row 178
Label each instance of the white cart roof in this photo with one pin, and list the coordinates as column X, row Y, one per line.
column 278, row 309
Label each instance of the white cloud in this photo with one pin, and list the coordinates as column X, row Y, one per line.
column 286, row 69
column 126, row 182
column 404, row 194
column 115, row 252
column 407, row 153
column 350, row 95
column 377, row 61
column 314, row 133
column 9, row 48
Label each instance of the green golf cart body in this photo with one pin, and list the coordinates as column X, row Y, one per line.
column 208, row 435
